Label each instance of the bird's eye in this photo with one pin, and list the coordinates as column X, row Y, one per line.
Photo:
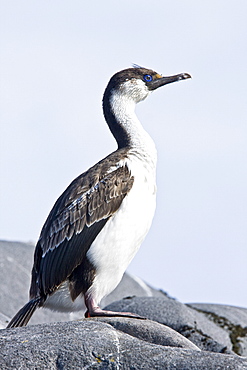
column 147, row 78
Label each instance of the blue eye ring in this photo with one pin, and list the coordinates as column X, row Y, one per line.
column 147, row 78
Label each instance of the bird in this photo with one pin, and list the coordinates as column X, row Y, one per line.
column 99, row 222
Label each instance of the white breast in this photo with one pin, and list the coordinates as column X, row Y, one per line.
column 121, row 237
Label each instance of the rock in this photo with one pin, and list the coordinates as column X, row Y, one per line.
column 231, row 319
column 15, row 266
column 149, row 331
column 94, row 344
column 187, row 321
column 3, row 321
column 175, row 335
column 15, row 270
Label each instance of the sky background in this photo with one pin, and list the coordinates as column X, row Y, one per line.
column 56, row 59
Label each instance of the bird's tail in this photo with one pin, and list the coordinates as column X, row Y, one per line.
column 25, row 313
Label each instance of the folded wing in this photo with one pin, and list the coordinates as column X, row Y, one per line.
column 75, row 221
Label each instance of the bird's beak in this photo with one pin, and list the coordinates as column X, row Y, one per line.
column 154, row 84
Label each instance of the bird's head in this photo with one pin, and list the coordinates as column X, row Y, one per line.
column 136, row 83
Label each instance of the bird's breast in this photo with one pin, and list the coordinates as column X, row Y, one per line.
column 122, row 235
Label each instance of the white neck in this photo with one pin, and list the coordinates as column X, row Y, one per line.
column 123, row 109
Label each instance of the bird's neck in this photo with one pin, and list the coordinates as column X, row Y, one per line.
column 119, row 112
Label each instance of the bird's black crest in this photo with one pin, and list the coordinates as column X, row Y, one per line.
column 136, row 65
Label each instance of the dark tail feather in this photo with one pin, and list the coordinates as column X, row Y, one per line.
column 25, row 313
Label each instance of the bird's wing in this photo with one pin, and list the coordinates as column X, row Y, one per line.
column 74, row 222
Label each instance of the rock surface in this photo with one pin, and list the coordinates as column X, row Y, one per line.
column 188, row 322
column 232, row 319
column 174, row 336
column 94, row 344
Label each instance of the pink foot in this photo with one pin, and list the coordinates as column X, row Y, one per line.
column 97, row 311
column 94, row 310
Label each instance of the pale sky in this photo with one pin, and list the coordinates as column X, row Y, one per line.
column 55, row 61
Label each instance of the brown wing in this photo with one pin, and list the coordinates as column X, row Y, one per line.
column 74, row 222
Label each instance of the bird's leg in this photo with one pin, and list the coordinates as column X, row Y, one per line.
column 94, row 310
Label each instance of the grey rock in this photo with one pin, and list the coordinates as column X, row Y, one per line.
column 177, row 336
column 235, row 315
column 3, row 321
column 93, row 344
column 15, row 266
column 149, row 331
column 15, row 271
column 187, row 321
column 232, row 319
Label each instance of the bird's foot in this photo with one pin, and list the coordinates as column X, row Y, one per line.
column 97, row 311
